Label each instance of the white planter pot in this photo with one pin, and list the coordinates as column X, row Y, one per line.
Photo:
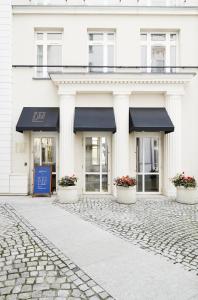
column 187, row 196
column 126, row 195
column 68, row 194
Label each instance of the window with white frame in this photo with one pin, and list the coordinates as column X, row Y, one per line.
column 48, row 52
column 161, row 2
column 158, row 50
column 101, row 51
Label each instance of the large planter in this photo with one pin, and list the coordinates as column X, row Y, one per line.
column 187, row 195
column 126, row 195
column 68, row 194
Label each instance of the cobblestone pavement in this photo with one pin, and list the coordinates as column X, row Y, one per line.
column 155, row 224
column 33, row 268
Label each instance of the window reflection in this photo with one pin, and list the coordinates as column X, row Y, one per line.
column 92, row 154
column 36, row 150
column 147, row 164
column 48, row 152
column 104, row 154
column 151, row 155
column 96, row 159
column 158, row 58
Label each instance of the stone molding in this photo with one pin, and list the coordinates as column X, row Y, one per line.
column 104, row 10
column 119, row 78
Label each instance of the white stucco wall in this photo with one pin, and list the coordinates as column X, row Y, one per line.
column 5, row 94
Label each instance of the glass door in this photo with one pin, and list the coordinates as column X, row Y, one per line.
column 147, row 164
column 96, row 164
column 44, row 154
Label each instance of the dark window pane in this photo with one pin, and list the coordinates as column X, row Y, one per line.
column 139, row 155
column 92, row 183
column 104, row 183
column 139, row 183
column 151, row 183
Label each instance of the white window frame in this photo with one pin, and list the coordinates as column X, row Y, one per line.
column 167, row 43
column 45, row 42
column 100, row 135
column 41, row 135
column 160, row 153
column 104, row 43
column 43, row 2
column 166, row 3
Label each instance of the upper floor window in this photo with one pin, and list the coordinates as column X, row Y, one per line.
column 161, row 2
column 101, row 51
column 48, row 52
column 158, row 50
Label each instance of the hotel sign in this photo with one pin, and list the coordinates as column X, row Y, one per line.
column 38, row 116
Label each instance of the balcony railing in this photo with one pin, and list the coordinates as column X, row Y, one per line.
column 43, row 71
column 122, row 3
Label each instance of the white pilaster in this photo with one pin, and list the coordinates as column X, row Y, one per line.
column 121, row 137
column 66, row 145
column 172, row 143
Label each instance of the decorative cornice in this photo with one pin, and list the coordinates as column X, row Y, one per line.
column 117, row 78
column 98, row 10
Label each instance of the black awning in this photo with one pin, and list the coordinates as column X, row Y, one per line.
column 150, row 119
column 94, row 119
column 38, row 119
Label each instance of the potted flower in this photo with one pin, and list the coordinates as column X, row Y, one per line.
column 186, row 189
column 67, row 191
column 126, row 192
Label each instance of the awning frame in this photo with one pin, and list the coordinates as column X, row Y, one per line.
column 94, row 119
column 150, row 119
column 38, row 119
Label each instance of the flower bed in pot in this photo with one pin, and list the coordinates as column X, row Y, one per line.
column 67, row 190
column 186, row 186
column 126, row 190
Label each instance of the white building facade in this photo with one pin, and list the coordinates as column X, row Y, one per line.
column 102, row 89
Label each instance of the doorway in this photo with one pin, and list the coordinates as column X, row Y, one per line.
column 45, row 154
column 96, row 164
column 148, row 157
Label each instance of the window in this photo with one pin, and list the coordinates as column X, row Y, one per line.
column 160, row 2
column 49, row 52
column 101, row 51
column 158, row 50
column 147, row 168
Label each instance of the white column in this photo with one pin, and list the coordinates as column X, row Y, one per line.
column 121, row 137
column 172, row 143
column 66, row 142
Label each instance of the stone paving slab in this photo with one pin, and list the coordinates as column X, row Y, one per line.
column 160, row 225
column 31, row 267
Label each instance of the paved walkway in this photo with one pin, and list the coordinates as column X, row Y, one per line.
column 33, row 268
column 156, row 224
column 124, row 270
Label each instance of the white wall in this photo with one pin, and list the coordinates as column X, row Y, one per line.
column 5, row 94
column 93, row 99
column 147, row 100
